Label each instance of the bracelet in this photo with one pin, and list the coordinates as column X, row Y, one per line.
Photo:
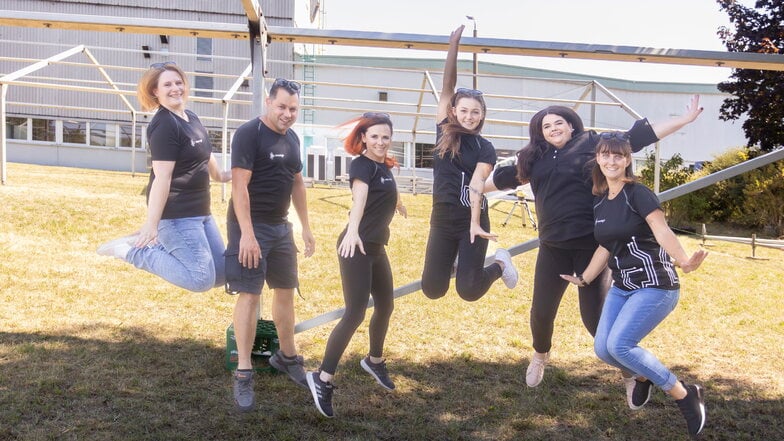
column 582, row 281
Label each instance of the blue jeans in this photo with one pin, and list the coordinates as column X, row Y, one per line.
column 189, row 253
column 627, row 317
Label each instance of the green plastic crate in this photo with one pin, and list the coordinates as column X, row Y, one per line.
column 265, row 344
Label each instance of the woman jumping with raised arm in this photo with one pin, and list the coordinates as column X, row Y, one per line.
column 459, row 222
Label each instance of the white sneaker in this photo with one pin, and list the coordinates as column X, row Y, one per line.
column 535, row 371
column 628, row 383
column 509, row 276
column 118, row 247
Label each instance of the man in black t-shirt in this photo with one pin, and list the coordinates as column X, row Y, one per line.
column 266, row 178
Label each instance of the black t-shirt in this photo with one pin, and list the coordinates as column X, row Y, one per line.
column 451, row 176
column 274, row 160
column 636, row 259
column 561, row 183
column 171, row 138
column 381, row 198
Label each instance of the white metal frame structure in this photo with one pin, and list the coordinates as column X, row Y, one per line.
column 261, row 34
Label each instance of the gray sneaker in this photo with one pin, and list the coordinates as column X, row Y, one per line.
column 243, row 390
column 294, row 368
column 322, row 394
column 379, row 372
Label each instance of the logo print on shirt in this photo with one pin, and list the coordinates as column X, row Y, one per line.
column 599, row 221
column 276, row 155
column 196, row 141
column 384, row 180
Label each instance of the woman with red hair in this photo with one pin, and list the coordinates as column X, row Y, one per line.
column 364, row 266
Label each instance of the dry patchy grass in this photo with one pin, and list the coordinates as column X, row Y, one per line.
column 91, row 348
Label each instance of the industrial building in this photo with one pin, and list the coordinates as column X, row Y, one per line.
column 80, row 111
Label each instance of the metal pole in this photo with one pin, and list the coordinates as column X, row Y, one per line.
column 133, row 143
column 224, row 145
column 3, row 132
column 258, row 76
column 656, row 167
column 476, row 58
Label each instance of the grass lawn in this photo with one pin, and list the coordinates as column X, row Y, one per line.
column 92, row 348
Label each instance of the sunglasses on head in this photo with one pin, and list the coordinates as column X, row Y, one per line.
column 620, row 136
column 376, row 115
column 469, row 92
column 162, row 65
column 289, row 85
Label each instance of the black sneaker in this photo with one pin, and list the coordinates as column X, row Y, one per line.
column 243, row 390
column 293, row 367
column 322, row 393
column 378, row 371
column 693, row 409
column 641, row 393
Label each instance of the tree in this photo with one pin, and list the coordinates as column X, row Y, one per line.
column 757, row 93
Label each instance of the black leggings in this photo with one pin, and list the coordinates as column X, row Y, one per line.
column 549, row 288
column 449, row 238
column 362, row 275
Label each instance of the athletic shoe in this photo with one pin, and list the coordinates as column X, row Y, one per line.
column 378, row 371
column 243, row 390
column 322, row 393
column 641, row 394
column 509, row 276
column 535, row 372
column 293, row 367
column 693, row 409
column 118, row 247
column 628, row 384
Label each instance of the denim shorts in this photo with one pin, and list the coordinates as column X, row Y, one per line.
column 278, row 265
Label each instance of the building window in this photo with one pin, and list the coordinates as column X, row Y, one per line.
column 203, row 86
column 397, row 151
column 216, row 139
column 383, row 96
column 102, row 134
column 44, row 130
column 423, row 155
column 16, row 128
column 75, row 132
column 204, row 49
column 125, row 135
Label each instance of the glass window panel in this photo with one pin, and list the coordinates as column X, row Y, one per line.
column 44, row 130
column 125, row 135
column 204, row 49
column 75, row 132
column 216, row 137
column 203, row 82
column 102, row 134
column 423, row 155
column 16, row 128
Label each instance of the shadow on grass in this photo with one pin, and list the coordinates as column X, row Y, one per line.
column 142, row 386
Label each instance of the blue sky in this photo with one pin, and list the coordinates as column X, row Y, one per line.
column 677, row 24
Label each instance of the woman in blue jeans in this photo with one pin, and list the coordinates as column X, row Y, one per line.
column 180, row 240
column 638, row 246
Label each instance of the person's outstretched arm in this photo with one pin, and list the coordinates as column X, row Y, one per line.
column 667, row 239
column 670, row 126
column 450, row 74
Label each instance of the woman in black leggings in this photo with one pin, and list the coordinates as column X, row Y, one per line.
column 556, row 162
column 364, row 266
column 459, row 222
